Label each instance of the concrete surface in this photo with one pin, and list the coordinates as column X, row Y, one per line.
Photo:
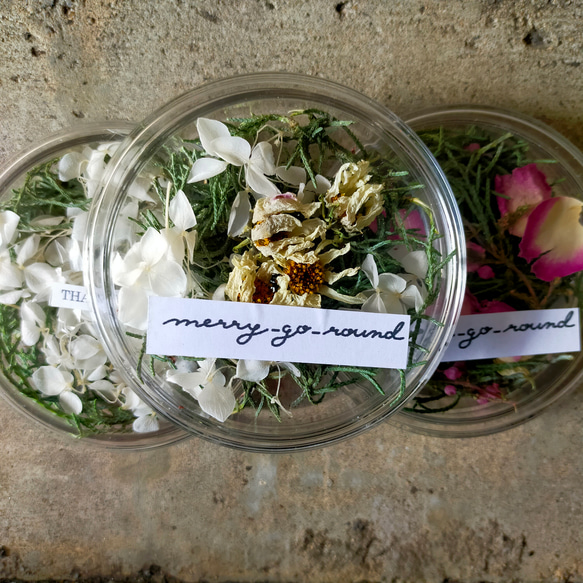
column 387, row 506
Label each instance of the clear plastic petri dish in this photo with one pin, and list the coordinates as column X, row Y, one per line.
column 515, row 169
column 286, row 191
column 54, row 367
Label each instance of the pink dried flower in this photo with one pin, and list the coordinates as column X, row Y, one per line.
column 472, row 305
column 554, row 237
column 453, row 373
column 374, row 227
column 494, row 307
column 489, row 393
column 476, row 259
column 476, row 256
column 449, row 390
column 412, row 221
column 472, row 147
column 486, row 272
column 525, row 188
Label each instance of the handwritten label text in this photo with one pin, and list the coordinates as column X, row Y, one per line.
column 515, row 334
column 208, row 328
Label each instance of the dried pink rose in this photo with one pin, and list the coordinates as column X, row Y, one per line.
column 494, row 307
column 476, row 259
column 525, row 188
column 554, row 237
column 489, row 393
column 472, row 305
column 476, row 256
column 486, row 272
column 449, row 390
column 412, row 221
column 374, row 227
column 453, row 373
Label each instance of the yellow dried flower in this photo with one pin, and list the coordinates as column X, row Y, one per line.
column 284, row 230
column 352, row 199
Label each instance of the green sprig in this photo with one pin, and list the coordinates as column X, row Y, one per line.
column 318, row 142
column 44, row 194
column 471, row 173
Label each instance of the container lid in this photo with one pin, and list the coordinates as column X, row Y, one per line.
column 54, row 366
column 519, row 186
column 300, row 252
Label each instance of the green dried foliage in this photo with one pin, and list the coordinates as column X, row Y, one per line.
column 318, row 142
column 44, row 195
column 471, row 173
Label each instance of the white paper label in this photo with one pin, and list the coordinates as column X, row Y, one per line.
column 515, row 334
column 64, row 295
column 206, row 328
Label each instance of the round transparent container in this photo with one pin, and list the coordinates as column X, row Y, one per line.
column 349, row 410
column 16, row 386
column 470, row 418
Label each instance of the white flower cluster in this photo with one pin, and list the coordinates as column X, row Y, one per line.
column 153, row 265
column 290, row 242
column 35, row 259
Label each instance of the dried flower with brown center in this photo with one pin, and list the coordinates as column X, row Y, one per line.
column 305, row 278
column 277, row 237
column 264, row 292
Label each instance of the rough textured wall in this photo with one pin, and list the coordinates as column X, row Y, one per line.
column 63, row 60
column 387, row 506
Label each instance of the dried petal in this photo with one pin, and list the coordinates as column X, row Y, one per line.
column 240, row 214
column 217, row 401
column 32, row 317
column 259, row 183
column 262, row 159
column 205, row 168
column 70, row 403
column 525, row 188
column 210, row 130
column 369, row 268
column 50, row 381
column 352, row 199
column 234, row 150
column 252, row 370
column 554, row 235
column 181, row 213
column 8, row 224
column 69, row 167
column 146, row 423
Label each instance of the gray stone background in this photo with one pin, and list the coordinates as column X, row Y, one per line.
column 387, row 506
